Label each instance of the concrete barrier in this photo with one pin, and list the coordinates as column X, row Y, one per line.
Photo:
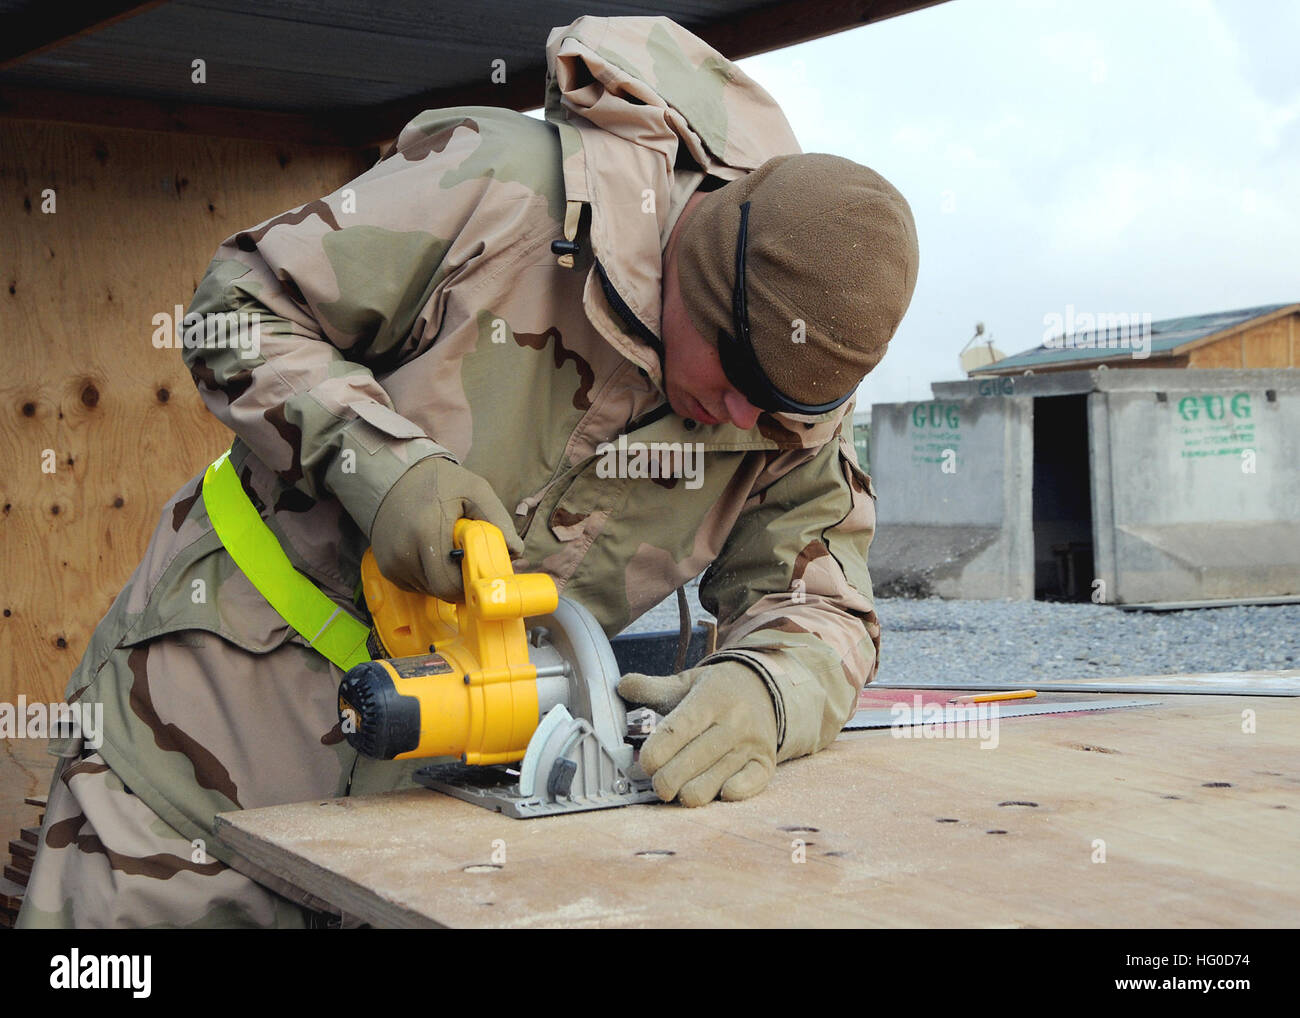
column 1123, row 486
column 952, row 476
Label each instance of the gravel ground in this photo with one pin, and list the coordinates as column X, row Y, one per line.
column 1012, row 641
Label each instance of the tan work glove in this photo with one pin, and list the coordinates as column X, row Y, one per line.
column 412, row 532
column 719, row 736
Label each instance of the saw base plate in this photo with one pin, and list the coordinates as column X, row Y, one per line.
column 497, row 788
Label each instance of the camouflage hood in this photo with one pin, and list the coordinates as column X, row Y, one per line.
column 627, row 96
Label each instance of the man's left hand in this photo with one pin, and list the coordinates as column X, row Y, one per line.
column 719, row 736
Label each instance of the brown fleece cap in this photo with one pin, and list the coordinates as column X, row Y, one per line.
column 830, row 243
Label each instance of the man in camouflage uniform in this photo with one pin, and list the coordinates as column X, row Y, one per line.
column 457, row 332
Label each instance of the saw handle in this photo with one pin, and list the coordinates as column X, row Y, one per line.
column 408, row 622
column 493, row 590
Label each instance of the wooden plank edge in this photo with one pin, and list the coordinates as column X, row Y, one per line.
column 345, row 895
column 21, row 102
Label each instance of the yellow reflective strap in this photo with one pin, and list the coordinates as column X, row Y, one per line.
column 334, row 633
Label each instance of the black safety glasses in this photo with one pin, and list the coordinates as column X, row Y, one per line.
column 740, row 363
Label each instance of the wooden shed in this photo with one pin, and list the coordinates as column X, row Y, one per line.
column 1259, row 337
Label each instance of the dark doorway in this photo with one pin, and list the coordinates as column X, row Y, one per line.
column 1063, row 568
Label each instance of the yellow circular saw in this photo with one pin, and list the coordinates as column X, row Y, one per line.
column 473, row 683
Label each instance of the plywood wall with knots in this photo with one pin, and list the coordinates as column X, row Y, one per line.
column 137, row 216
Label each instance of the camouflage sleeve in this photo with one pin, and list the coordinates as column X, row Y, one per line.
column 296, row 316
column 793, row 597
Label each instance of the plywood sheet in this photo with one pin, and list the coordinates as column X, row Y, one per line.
column 98, row 427
column 1196, row 821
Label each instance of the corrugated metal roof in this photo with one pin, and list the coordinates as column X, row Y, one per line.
column 1110, row 341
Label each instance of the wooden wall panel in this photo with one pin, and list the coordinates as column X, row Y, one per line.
column 1267, row 345
column 1226, row 353
column 137, row 217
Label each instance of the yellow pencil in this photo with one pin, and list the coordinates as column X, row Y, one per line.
column 1018, row 694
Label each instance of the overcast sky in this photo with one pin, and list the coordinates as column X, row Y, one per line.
column 1114, row 156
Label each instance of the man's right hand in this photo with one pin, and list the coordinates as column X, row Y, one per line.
column 412, row 533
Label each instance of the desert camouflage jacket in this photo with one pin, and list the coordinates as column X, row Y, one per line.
column 421, row 310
